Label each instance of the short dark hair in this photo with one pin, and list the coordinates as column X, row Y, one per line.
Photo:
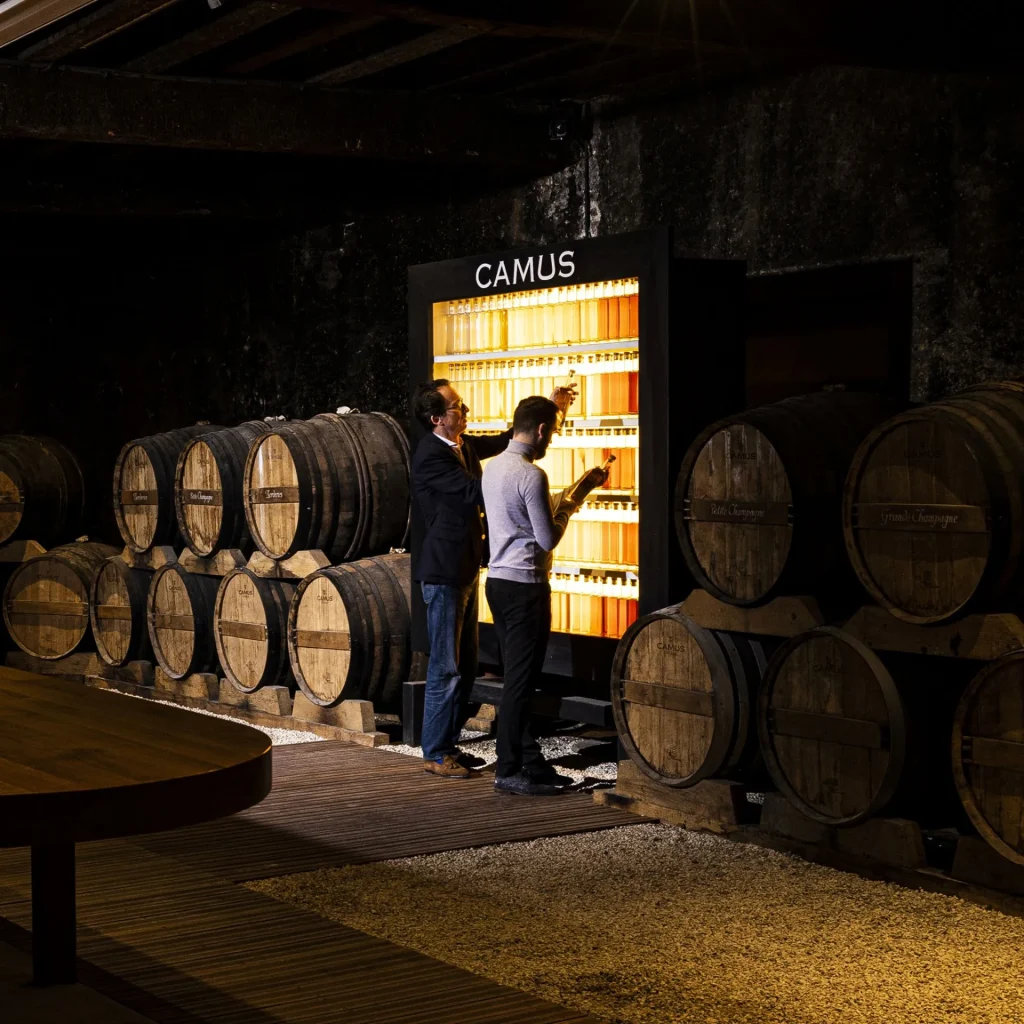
column 532, row 412
column 427, row 401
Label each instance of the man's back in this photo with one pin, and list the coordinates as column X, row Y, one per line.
column 523, row 532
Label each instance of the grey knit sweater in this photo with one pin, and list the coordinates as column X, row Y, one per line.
column 523, row 528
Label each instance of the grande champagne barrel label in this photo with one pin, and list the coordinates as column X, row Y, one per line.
column 274, row 495
column 193, row 496
column 140, row 497
column 728, row 510
column 921, row 518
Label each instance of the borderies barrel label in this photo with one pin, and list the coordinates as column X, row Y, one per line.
column 139, row 498
column 197, row 497
column 922, row 518
column 729, row 510
column 274, row 495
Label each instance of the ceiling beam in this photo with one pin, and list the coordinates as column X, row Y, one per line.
column 24, row 18
column 560, row 50
column 402, row 53
column 318, row 37
column 87, row 105
column 105, row 21
column 239, row 21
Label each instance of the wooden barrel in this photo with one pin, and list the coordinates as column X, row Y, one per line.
column 250, row 621
column 337, row 483
column 988, row 754
column 179, row 615
column 46, row 600
column 348, row 632
column 117, row 611
column 759, row 496
column 42, row 493
column 683, row 699
column 933, row 511
column 144, row 487
column 208, row 489
column 846, row 735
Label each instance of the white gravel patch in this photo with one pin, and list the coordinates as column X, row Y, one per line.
column 553, row 747
column 655, row 925
column 278, row 737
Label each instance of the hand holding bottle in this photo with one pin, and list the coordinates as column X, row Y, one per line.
column 595, row 477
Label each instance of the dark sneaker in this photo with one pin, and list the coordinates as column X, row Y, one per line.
column 447, row 767
column 521, row 784
column 470, row 761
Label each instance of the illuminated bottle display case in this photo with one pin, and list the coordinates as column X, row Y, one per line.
column 596, row 314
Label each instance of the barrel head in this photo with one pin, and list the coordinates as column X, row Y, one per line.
column 172, row 621
column 916, row 518
column 137, row 498
column 112, row 613
column 200, row 498
column 240, row 629
column 988, row 754
column 46, row 608
column 831, row 735
column 12, row 500
column 734, row 523
column 320, row 640
column 272, row 496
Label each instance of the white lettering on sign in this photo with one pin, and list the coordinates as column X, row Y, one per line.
column 528, row 271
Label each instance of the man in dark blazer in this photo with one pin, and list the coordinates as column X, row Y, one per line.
column 449, row 545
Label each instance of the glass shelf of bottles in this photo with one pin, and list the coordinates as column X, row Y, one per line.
column 496, row 351
column 536, row 319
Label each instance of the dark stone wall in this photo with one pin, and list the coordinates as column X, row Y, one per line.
column 111, row 330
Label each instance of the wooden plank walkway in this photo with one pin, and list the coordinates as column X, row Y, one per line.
column 165, row 929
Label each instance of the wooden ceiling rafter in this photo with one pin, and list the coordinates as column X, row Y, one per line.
column 401, row 53
column 244, row 17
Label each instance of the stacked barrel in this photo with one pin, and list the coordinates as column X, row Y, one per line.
column 42, row 503
column 337, row 484
column 830, row 496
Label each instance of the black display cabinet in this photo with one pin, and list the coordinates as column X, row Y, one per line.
column 655, row 345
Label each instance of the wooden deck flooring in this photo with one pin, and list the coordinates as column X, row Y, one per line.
column 164, row 929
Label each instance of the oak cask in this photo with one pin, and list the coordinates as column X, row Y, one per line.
column 348, row 632
column 42, row 492
column 759, row 496
column 337, row 483
column 46, row 600
column 179, row 615
column 683, row 698
column 144, row 487
column 208, row 489
column 250, row 621
column 933, row 511
column 117, row 611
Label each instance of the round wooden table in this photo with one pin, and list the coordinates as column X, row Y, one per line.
column 79, row 764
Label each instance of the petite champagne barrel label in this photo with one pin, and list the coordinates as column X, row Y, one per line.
column 139, row 498
column 726, row 510
column 274, row 495
column 191, row 496
column 922, row 518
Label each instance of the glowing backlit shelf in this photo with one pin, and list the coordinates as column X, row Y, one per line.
column 558, row 351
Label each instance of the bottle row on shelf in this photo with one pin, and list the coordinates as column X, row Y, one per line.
column 609, row 394
column 600, row 543
column 589, row 614
column 566, row 465
column 581, row 364
column 548, row 316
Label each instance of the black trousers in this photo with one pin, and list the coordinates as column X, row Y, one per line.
column 522, row 620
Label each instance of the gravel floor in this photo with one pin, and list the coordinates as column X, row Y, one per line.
column 278, row 737
column 572, row 755
column 657, row 925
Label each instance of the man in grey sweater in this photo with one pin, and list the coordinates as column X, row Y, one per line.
column 525, row 525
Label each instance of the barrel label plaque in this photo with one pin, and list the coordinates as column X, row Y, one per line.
column 274, row 495
column 922, row 518
column 140, row 497
column 727, row 510
column 192, row 496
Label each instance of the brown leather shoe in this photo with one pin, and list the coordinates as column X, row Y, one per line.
column 449, row 768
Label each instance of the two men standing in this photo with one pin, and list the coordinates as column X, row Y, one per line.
column 449, row 542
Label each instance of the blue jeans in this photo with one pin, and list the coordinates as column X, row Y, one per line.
column 452, row 614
